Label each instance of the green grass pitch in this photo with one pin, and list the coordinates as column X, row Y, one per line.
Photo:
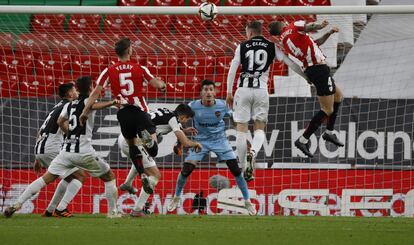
column 198, row 230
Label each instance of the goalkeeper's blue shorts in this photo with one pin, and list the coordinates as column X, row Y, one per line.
column 221, row 147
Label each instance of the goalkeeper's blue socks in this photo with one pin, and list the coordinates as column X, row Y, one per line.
column 241, row 183
column 181, row 180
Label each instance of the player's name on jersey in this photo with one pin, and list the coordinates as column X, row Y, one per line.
column 124, row 67
column 254, row 44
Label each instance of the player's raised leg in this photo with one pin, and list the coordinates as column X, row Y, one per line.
column 153, row 177
column 329, row 134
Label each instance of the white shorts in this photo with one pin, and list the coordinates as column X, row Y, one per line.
column 147, row 160
column 67, row 163
column 47, row 158
column 250, row 103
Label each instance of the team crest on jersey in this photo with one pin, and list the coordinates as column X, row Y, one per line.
column 217, row 113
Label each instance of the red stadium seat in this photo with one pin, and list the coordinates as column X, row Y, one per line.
column 84, row 23
column 9, row 86
column 88, row 65
column 231, row 26
column 100, row 44
column 67, row 44
column 37, row 86
column 197, row 66
column 277, row 2
column 49, row 23
column 19, row 66
column 6, row 44
column 198, row 2
column 123, row 24
column 158, row 25
column 183, row 87
column 56, row 65
column 163, row 65
column 171, row 45
column 32, row 44
column 134, row 2
column 191, row 25
column 313, row 2
column 222, row 70
column 144, row 45
column 169, row 2
column 214, row 45
column 240, row 3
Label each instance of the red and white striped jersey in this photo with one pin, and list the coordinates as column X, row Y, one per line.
column 299, row 44
column 127, row 81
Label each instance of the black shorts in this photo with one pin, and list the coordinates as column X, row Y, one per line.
column 320, row 76
column 133, row 120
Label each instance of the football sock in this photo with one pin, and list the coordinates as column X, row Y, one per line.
column 332, row 118
column 314, row 124
column 181, row 180
column 73, row 188
column 241, row 183
column 258, row 140
column 131, row 176
column 57, row 196
column 143, row 196
column 136, row 158
column 111, row 193
column 31, row 190
column 241, row 144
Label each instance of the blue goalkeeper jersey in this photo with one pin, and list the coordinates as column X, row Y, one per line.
column 208, row 120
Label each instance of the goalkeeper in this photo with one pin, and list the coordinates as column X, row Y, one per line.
column 209, row 123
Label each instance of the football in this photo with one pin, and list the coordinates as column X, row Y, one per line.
column 208, row 11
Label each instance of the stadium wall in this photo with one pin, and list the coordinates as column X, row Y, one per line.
column 303, row 192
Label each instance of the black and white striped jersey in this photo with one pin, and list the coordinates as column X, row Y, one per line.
column 255, row 56
column 165, row 121
column 79, row 138
column 50, row 136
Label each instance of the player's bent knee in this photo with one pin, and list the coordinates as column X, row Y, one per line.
column 48, row 178
column 233, row 167
column 187, row 169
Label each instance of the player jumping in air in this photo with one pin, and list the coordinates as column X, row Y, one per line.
column 251, row 99
column 297, row 42
column 209, row 123
column 127, row 79
column 166, row 121
column 77, row 151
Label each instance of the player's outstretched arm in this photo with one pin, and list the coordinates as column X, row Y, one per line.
column 315, row 26
column 325, row 37
column 105, row 104
column 186, row 142
column 92, row 98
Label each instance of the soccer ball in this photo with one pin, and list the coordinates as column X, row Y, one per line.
column 208, row 11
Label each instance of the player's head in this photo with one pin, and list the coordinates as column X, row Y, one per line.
column 208, row 91
column 275, row 28
column 253, row 28
column 84, row 85
column 68, row 91
column 123, row 48
column 184, row 113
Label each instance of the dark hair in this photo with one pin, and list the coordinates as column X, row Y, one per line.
column 275, row 28
column 121, row 47
column 184, row 109
column 83, row 85
column 255, row 25
column 64, row 89
column 206, row 82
